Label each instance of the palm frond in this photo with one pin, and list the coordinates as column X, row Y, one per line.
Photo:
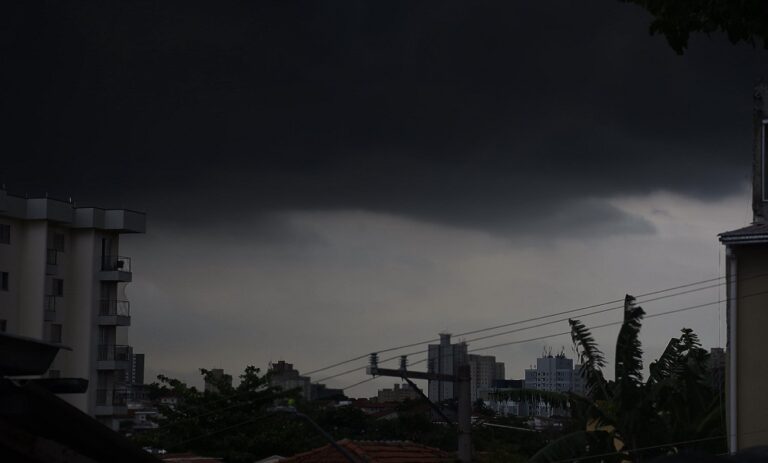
column 629, row 354
column 664, row 366
column 591, row 359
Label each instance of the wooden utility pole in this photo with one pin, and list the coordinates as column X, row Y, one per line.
column 462, row 382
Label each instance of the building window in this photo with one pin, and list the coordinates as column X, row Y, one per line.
column 58, row 242
column 4, row 281
column 3, row 326
column 5, row 233
column 56, row 332
column 58, row 287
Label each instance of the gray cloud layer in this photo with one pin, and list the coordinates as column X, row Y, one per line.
column 502, row 116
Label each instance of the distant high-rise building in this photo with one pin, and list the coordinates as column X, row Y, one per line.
column 555, row 374
column 217, row 377
column 716, row 367
column 397, row 394
column 135, row 371
column 284, row 376
column 484, row 370
column 500, row 371
column 445, row 358
column 62, row 280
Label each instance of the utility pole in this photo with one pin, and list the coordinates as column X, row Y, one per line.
column 462, row 382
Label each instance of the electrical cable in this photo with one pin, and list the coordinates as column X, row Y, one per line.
column 542, row 317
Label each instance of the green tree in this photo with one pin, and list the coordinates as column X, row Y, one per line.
column 675, row 404
column 231, row 422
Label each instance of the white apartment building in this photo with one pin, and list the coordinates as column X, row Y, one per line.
column 555, row 374
column 62, row 280
column 445, row 358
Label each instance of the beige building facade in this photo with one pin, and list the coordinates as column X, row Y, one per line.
column 747, row 280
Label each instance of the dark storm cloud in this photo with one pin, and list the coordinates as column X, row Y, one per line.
column 498, row 115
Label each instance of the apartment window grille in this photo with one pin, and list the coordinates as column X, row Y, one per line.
column 5, row 233
column 58, row 287
column 4, row 281
column 56, row 332
column 58, row 242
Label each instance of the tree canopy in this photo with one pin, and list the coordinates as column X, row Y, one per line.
column 741, row 20
column 630, row 418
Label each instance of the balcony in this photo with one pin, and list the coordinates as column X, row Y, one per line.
column 115, row 268
column 113, row 357
column 114, row 312
column 49, row 308
column 111, row 401
column 51, row 261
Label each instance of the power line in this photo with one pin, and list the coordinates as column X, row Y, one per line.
column 521, row 341
column 538, row 338
column 542, row 317
column 352, row 370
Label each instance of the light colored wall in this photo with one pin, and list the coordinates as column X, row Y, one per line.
column 33, row 238
column 752, row 345
column 10, row 261
column 81, row 290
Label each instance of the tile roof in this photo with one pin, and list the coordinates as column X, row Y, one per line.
column 188, row 458
column 755, row 233
column 375, row 452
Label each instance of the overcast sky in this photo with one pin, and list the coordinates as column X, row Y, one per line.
column 325, row 179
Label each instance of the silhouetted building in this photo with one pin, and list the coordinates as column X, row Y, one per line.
column 716, row 368
column 284, row 376
column 135, row 371
column 397, row 393
column 484, row 370
column 216, row 379
column 445, row 358
column 323, row 392
column 62, row 280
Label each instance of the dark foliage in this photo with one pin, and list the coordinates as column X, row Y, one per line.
column 741, row 20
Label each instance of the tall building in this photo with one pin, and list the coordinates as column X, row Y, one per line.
column 135, row 374
column 62, row 280
column 445, row 358
column 555, row 374
column 485, row 370
column 284, row 376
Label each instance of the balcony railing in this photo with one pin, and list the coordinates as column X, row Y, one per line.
column 119, row 397
column 114, row 307
column 49, row 304
column 113, row 263
column 115, row 352
column 51, row 256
